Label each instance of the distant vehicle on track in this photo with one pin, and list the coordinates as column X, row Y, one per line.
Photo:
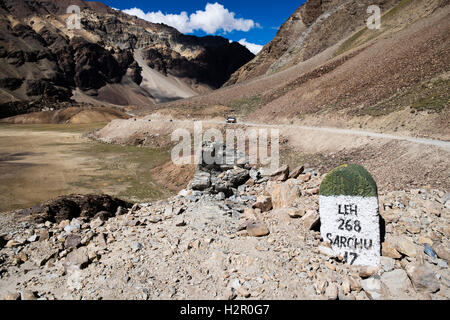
column 231, row 120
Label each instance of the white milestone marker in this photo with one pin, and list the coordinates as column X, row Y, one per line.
column 349, row 215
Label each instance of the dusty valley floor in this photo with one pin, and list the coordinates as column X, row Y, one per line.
column 41, row 162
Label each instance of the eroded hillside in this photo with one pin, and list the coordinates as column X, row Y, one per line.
column 394, row 79
column 44, row 60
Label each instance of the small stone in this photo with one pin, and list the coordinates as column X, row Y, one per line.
column 284, row 195
column 330, row 266
column 445, row 198
column 33, row 238
column 44, row 235
column 367, row 271
column 201, row 181
column 296, row 172
column 180, row 210
column 13, row 243
column 264, row 203
column 326, row 251
column 442, row 252
column 281, row 174
column 185, row 193
column 103, row 215
column 96, row 223
column 295, row 213
column 257, row 230
column 120, row 211
column 136, row 246
column 388, row 250
column 429, row 251
column 243, row 292
column 180, row 223
column 388, row 264
column 321, row 285
column 406, row 246
column 238, row 176
column 355, row 284
column 413, row 228
column 72, row 241
column 249, row 213
column 28, row 295
column 230, row 294
column 250, row 183
column 77, row 259
column 310, row 220
column 12, row 296
column 100, row 240
column 441, row 263
column 154, row 219
column 424, row 240
column 423, row 278
column 346, row 287
column 135, row 208
column 331, row 293
column 397, row 282
column 74, row 225
column 373, row 288
column 22, row 257
column 305, row 177
column 63, row 224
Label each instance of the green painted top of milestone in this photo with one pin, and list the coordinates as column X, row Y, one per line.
column 349, row 180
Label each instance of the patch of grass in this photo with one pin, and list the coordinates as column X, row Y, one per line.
column 433, row 104
column 74, row 128
column 246, row 106
column 400, row 6
column 432, row 96
column 350, row 43
column 365, row 35
column 128, row 166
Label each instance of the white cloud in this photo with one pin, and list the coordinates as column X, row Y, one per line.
column 215, row 17
column 253, row 47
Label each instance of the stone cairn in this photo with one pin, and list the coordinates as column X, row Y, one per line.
column 227, row 175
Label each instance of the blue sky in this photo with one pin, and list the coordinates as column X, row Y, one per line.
column 255, row 21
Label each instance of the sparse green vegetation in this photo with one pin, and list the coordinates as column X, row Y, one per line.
column 434, row 104
column 73, row 128
column 365, row 35
column 350, row 43
column 246, row 106
column 432, row 96
column 129, row 166
column 49, row 161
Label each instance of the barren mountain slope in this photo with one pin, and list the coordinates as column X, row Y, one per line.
column 392, row 79
column 314, row 27
column 43, row 60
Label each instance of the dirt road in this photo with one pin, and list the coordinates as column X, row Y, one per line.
column 397, row 161
column 351, row 132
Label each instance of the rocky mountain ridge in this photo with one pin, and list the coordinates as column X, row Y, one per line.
column 312, row 28
column 44, row 60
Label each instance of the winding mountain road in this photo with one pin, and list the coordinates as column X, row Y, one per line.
column 439, row 143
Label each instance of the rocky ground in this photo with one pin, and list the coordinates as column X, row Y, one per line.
column 234, row 233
